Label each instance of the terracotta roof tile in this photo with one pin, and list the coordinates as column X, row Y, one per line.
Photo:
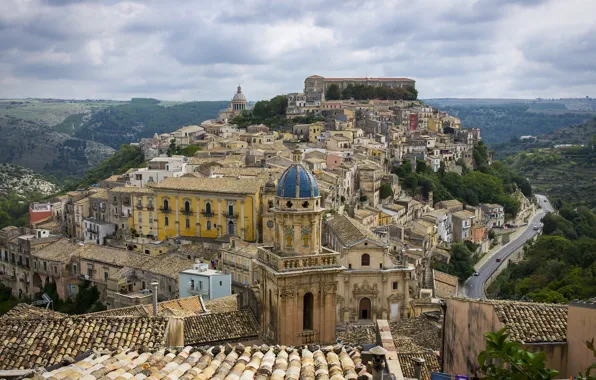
column 23, row 310
column 222, row 304
column 218, row 362
column 218, row 327
column 181, row 307
column 349, row 231
column 431, row 364
column 530, row 322
column 42, row 342
column 215, row 185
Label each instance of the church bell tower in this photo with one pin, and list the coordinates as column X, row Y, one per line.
column 298, row 280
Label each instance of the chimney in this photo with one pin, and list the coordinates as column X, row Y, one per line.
column 154, row 284
column 418, row 363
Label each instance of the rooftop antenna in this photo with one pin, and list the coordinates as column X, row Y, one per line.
column 46, row 300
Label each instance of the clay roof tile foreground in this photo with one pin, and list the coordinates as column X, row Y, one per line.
column 43, row 342
column 219, row 362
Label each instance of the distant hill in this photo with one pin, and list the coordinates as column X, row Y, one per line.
column 64, row 138
column 122, row 124
column 23, row 181
column 567, row 173
column 499, row 123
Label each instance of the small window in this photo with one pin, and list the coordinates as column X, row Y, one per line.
column 187, row 223
column 106, row 274
column 166, row 221
column 74, row 268
column 221, row 283
column 349, row 266
column 140, row 217
column 208, row 225
column 394, row 285
column 365, row 261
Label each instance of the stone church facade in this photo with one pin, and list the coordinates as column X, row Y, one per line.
column 298, row 276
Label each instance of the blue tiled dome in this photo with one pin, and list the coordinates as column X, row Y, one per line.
column 297, row 182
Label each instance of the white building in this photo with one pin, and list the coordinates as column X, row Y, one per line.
column 205, row 282
column 186, row 136
column 442, row 220
column 96, row 231
column 159, row 169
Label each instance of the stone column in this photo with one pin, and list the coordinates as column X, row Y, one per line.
column 242, row 219
column 219, row 227
column 177, row 221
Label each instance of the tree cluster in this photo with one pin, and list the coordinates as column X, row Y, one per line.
column 488, row 184
column 272, row 113
column 365, row 92
column 560, row 266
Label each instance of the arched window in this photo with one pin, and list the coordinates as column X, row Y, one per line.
column 208, row 208
column 307, row 312
column 365, row 260
column 208, row 225
column 166, row 221
column 166, row 204
column 187, row 206
column 187, row 223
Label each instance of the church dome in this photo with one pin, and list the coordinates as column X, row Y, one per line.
column 239, row 96
column 297, row 182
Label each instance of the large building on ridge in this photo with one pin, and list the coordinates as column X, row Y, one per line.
column 315, row 86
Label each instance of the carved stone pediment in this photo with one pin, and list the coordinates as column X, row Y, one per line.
column 396, row 297
column 365, row 289
column 288, row 293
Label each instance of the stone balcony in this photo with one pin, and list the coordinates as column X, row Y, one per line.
column 326, row 259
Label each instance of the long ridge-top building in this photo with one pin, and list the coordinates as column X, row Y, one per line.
column 315, row 86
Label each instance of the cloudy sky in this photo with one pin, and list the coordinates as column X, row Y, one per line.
column 201, row 50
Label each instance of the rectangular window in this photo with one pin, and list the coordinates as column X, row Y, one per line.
column 74, row 268
column 200, row 285
column 90, row 270
column 55, row 269
column 192, row 284
column 106, row 274
column 220, row 283
column 245, row 280
column 394, row 285
column 45, row 266
column 27, row 262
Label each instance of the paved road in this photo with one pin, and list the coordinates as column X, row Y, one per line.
column 474, row 286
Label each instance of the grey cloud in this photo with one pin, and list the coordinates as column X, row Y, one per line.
column 180, row 49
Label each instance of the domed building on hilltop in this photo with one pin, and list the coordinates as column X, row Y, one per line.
column 237, row 105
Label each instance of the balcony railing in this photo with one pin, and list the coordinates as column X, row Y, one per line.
column 150, row 207
column 233, row 215
column 207, row 214
column 165, row 210
column 186, row 212
column 292, row 263
column 139, row 206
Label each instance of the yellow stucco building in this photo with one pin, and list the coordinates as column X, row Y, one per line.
column 208, row 207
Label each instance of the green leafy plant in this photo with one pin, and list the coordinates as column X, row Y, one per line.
column 504, row 359
column 588, row 372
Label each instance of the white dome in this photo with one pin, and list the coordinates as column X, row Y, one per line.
column 239, row 96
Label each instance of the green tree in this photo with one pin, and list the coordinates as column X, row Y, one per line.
column 385, row 191
column 332, row 92
column 506, row 360
column 348, row 92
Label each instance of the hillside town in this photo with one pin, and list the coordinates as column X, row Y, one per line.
column 274, row 253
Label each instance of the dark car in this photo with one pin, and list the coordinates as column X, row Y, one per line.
column 498, row 259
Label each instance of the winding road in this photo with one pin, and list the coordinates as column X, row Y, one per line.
column 474, row 286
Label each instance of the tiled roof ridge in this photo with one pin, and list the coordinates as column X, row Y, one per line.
column 508, row 302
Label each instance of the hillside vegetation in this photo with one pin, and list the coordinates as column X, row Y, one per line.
column 560, row 266
column 126, row 123
column 499, row 123
column 565, row 173
column 486, row 184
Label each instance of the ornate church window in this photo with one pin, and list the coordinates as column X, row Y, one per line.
column 365, row 260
